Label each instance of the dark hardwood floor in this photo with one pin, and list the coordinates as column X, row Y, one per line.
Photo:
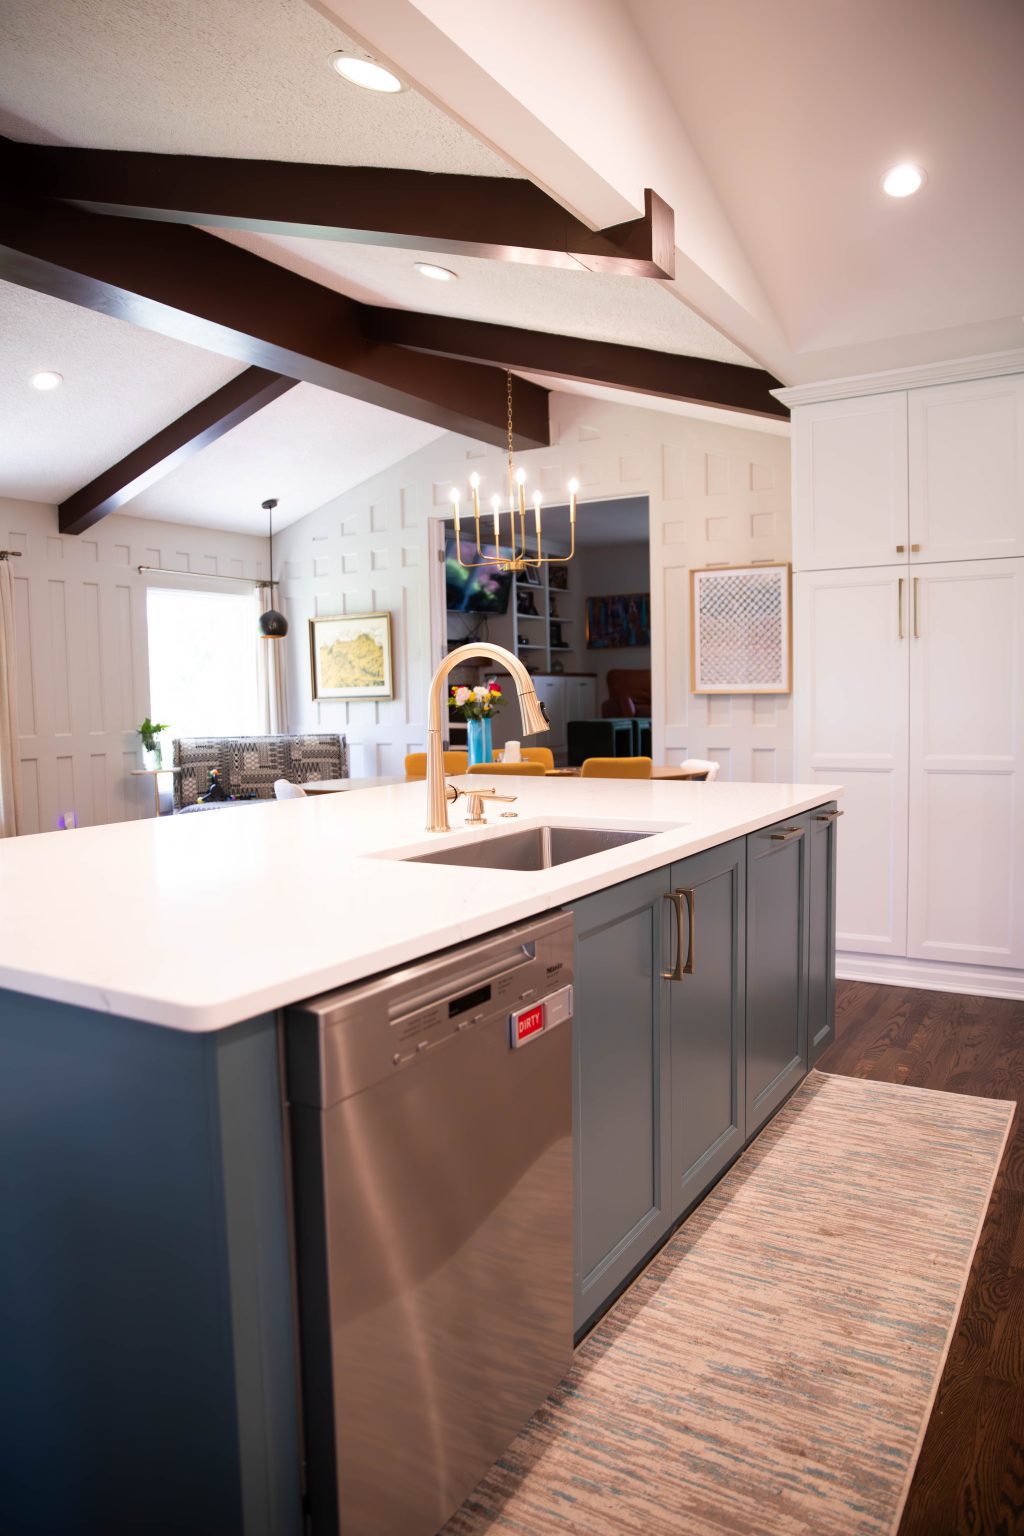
column 970, row 1477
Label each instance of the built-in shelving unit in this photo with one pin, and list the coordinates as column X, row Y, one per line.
column 540, row 634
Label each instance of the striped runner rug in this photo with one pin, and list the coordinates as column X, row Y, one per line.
column 772, row 1371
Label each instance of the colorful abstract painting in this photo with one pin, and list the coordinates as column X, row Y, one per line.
column 619, row 622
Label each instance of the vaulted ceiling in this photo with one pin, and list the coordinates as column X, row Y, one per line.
column 765, row 127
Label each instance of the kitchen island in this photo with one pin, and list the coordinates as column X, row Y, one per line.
column 147, row 1285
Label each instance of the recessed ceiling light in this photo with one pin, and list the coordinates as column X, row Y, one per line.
column 903, row 180
column 47, row 379
column 438, row 274
column 358, row 69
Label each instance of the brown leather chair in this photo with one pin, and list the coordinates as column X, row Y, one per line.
column 629, row 693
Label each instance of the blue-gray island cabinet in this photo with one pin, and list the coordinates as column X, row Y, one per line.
column 148, row 1374
column 149, row 1371
column 699, row 989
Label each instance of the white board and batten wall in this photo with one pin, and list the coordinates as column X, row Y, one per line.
column 82, row 657
column 716, row 493
column 908, row 550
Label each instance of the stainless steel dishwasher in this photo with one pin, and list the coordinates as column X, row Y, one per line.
column 431, row 1132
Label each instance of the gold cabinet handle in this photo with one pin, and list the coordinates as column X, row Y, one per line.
column 899, row 608
column 915, row 549
column 679, row 899
column 917, row 632
column 829, row 816
column 901, row 549
column 789, row 836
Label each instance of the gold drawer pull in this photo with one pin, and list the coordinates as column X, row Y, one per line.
column 829, row 816
column 678, row 900
column 789, row 836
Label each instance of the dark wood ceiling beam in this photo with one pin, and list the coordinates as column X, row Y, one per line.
column 239, row 399
column 700, row 380
column 495, row 217
column 198, row 289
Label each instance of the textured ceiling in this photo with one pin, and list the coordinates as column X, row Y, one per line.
column 305, row 448
column 120, row 386
column 191, row 77
column 635, row 311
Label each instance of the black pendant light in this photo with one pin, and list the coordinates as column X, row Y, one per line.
column 273, row 625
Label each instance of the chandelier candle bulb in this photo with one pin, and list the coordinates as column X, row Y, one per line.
column 514, row 556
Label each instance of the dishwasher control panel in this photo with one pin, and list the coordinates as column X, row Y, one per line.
column 517, row 980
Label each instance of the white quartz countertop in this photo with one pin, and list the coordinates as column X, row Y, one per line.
column 198, row 922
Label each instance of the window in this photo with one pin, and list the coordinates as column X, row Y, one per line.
column 203, row 662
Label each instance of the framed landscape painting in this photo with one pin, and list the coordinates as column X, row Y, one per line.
column 350, row 656
column 740, row 629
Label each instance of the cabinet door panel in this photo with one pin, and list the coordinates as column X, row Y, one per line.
column 777, row 936
column 967, row 470
column 581, row 694
column 851, row 697
column 551, row 693
column 620, row 1125
column 966, row 899
column 821, row 942
column 849, row 482
column 706, row 1013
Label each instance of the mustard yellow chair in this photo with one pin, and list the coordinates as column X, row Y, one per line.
column 616, row 768
column 522, row 769
column 542, row 755
column 416, row 763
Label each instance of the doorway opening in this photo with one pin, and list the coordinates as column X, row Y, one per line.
column 583, row 630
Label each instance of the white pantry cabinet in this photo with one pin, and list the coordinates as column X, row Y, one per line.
column 921, row 475
column 966, row 866
column 850, row 482
column 966, row 470
column 909, row 671
column 852, row 664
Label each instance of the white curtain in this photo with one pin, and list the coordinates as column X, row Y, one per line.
column 10, row 807
column 270, row 676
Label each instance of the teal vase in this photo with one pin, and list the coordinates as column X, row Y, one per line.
column 478, row 734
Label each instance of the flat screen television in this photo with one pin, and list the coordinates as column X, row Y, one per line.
column 479, row 589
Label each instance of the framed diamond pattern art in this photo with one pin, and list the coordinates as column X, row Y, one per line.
column 741, row 637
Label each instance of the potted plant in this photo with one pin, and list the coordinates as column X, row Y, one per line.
column 148, row 733
column 477, row 706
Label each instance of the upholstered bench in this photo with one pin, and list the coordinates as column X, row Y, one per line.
column 248, row 765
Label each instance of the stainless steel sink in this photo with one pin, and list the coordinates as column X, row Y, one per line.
column 533, row 848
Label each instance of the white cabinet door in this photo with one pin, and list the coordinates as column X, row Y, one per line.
column 581, row 698
column 850, row 482
column 551, row 692
column 851, row 633
column 966, row 900
column 967, row 470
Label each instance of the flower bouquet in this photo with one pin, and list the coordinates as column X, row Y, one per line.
column 477, row 706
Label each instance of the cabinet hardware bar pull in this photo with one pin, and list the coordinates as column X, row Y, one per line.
column 915, row 549
column 679, row 970
column 829, row 815
column 691, row 907
column 917, row 632
column 901, row 549
column 790, row 834
column 899, row 607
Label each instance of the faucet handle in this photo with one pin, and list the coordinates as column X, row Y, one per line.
column 475, row 809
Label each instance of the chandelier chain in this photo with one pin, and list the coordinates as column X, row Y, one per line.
column 508, row 378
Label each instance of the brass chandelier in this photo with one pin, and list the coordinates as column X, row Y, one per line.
column 518, row 556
